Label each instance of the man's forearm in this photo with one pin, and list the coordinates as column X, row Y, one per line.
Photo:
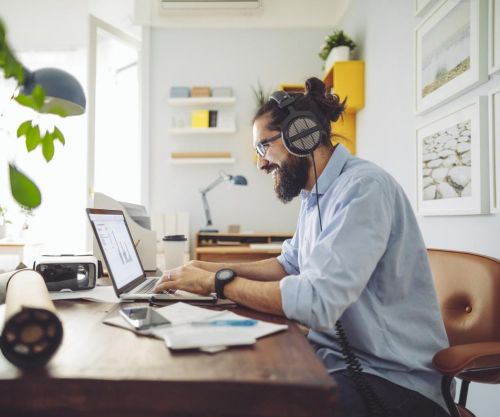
column 260, row 296
column 265, row 270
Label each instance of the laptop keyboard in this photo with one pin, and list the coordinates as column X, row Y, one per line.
column 148, row 287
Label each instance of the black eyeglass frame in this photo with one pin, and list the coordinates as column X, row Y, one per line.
column 263, row 145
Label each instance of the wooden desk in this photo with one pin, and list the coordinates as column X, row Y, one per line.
column 238, row 247
column 102, row 371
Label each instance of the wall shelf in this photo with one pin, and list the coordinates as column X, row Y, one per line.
column 200, row 130
column 195, row 101
column 191, row 161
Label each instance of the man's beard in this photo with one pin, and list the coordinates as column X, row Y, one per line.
column 291, row 178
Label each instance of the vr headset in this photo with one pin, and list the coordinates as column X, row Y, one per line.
column 68, row 272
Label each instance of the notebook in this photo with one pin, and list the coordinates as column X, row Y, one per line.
column 122, row 261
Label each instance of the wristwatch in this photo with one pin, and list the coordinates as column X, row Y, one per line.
column 222, row 278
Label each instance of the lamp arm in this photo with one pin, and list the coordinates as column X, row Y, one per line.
column 206, row 207
column 212, row 185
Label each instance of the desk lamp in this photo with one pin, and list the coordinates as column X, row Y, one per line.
column 62, row 90
column 223, row 176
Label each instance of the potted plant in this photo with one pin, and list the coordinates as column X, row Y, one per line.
column 261, row 94
column 3, row 222
column 337, row 47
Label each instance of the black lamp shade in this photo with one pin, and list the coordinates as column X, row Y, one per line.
column 61, row 90
column 239, row 180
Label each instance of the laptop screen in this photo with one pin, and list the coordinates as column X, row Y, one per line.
column 117, row 247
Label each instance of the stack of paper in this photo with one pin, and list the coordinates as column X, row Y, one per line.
column 182, row 334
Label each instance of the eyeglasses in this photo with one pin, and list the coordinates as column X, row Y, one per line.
column 262, row 146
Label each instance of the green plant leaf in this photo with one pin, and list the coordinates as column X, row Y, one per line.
column 38, row 95
column 48, row 146
column 23, row 128
column 25, row 100
column 33, row 138
column 24, row 191
column 58, row 135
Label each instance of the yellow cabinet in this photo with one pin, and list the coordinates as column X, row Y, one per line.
column 347, row 80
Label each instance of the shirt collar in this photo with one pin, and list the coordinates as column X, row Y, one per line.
column 331, row 172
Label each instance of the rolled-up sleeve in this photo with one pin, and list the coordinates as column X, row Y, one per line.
column 289, row 257
column 356, row 231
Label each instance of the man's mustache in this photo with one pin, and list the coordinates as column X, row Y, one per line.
column 271, row 167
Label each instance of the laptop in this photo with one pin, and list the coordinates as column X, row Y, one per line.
column 123, row 263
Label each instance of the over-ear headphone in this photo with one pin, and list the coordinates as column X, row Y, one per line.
column 301, row 130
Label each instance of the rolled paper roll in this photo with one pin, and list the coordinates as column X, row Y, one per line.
column 32, row 331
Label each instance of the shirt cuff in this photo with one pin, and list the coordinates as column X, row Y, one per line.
column 291, row 287
column 289, row 268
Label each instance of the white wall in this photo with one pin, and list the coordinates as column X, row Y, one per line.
column 237, row 58
column 383, row 30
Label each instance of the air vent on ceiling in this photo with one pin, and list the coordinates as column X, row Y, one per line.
column 210, row 4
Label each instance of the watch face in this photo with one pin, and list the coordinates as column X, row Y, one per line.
column 225, row 274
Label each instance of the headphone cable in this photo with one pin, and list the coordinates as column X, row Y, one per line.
column 317, row 194
column 374, row 403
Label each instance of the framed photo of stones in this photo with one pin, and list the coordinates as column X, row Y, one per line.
column 452, row 162
column 494, row 119
column 450, row 56
column 494, row 35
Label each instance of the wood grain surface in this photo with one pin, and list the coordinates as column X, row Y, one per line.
column 101, row 370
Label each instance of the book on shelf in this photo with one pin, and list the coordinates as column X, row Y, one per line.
column 200, row 118
column 222, row 92
column 212, row 118
column 182, row 155
column 200, row 91
column 179, row 92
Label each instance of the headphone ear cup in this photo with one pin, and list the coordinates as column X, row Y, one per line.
column 301, row 133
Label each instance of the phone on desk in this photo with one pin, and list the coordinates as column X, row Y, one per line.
column 142, row 318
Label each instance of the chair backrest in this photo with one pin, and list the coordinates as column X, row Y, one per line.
column 468, row 290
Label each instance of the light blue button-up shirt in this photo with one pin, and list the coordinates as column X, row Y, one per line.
column 369, row 268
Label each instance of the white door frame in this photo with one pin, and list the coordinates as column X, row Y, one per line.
column 143, row 50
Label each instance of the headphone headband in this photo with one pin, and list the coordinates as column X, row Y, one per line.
column 282, row 98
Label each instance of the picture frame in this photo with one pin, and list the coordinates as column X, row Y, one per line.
column 421, row 7
column 449, row 59
column 494, row 37
column 452, row 162
column 494, row 148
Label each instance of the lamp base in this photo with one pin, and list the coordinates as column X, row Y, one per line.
column 209, row 231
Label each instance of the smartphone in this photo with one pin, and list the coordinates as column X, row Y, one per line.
column 142, row 318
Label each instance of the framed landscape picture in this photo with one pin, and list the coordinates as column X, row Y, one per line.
column 494, row 119
column 450, row 53
column 423, row 6
column 452, row 162
column 494, row 35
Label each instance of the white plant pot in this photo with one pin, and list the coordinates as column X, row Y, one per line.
column 339, row 53
column 3, row 231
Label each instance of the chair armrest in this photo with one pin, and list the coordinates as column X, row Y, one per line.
column 460, row 358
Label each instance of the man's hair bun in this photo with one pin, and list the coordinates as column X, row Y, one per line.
column 329, row 104
column 315, row 87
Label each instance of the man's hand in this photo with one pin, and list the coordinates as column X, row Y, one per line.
column 187, row 278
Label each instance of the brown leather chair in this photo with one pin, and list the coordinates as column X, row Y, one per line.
column 468, row 290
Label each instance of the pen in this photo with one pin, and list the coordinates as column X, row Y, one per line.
column 248, row 322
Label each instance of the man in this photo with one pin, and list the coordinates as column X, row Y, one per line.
column 357, row 256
